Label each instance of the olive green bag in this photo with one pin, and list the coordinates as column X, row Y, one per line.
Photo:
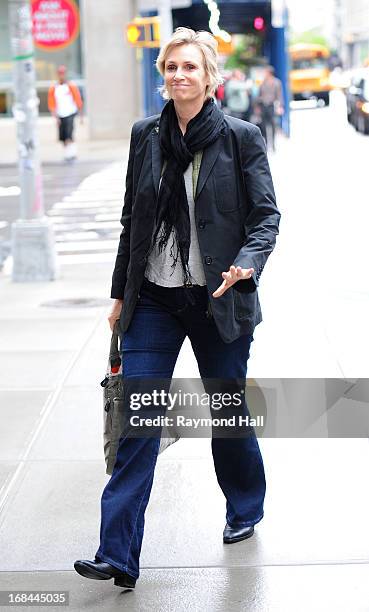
column 113, row 411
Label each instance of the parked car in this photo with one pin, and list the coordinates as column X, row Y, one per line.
column 357, row 98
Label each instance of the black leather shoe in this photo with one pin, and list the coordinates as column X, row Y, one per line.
column 236, row 534
column 99, row 570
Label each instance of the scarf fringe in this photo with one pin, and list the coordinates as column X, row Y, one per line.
column 178, row 151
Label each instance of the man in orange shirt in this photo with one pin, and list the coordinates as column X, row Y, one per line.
column 64, row 102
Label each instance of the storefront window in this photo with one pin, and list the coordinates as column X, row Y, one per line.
column 46, row 63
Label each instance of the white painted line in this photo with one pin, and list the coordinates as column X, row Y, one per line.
column 101, row 225
column 89, row 204
column 85, row 218
column 12, row 191
column 69, row 202
column 87, row 258
column 98, row 245
column 108, row 217
column 73, row 236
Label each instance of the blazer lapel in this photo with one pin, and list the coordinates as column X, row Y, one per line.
column 156, row 160
column 209, row 158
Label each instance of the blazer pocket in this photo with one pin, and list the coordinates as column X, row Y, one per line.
column 245, row 304
column 226, row 193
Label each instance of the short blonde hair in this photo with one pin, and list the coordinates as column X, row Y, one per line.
column 208, row 46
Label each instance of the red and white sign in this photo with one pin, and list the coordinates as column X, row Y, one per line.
column 55, row 23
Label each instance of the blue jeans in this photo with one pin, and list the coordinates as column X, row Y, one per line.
column 162, row 319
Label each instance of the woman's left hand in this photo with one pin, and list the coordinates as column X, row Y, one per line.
column 231, row 277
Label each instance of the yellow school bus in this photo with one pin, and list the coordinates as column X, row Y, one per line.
column 310, row 73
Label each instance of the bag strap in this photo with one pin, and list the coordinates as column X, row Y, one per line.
column 114, row 355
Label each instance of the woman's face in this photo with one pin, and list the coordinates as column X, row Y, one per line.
column 184, row 74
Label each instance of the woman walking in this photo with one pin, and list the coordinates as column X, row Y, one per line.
column 199, row 222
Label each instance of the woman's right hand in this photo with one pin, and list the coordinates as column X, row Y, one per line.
column 115, row 313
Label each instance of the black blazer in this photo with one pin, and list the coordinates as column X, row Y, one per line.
column 236, row 219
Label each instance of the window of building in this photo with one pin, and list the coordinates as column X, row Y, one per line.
column 46, row 63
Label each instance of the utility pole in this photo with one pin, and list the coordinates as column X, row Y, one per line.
column 33, row 243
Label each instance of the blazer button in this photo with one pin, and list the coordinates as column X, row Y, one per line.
column 201, row 224
column 208, row 260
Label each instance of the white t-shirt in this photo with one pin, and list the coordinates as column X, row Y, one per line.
column 65, row 104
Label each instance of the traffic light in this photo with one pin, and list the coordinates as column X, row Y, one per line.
column 135, row 33
column 144, row 32
column 259, row 24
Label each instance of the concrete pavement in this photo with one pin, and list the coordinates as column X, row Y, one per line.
column 310, row 549
column 310, row 552
column 51, row 150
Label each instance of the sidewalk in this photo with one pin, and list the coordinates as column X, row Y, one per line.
column 52, row 475
column 51, row 150
column 309, row 553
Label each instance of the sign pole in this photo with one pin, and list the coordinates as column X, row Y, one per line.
column 33, row 243
column 166, row 21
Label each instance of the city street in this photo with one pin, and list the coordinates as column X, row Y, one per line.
column 61, row 179
column 310, row 552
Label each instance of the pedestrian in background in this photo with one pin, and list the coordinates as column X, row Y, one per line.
column 220, row 95
column 237, row 96
column 187, row 271
column 271, row 105
column 64, row 102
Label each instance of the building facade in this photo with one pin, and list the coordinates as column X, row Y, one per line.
column 46, row 63
column 355, row 32
column 118, row 82
column 99, row 60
